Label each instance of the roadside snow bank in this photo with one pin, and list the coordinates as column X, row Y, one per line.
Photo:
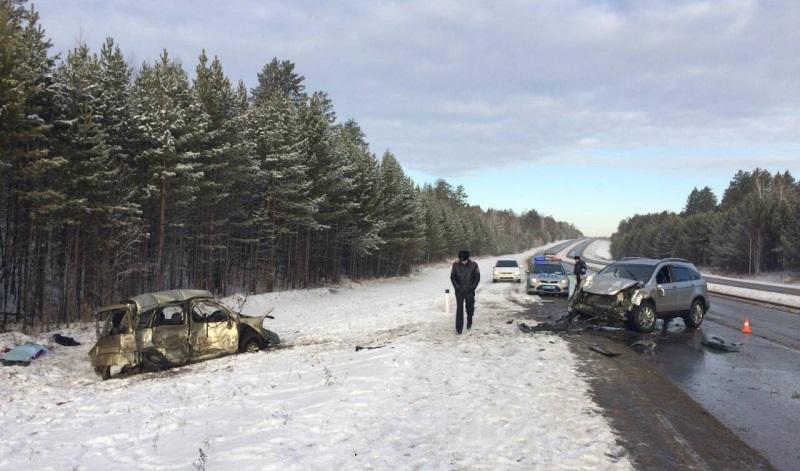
column 756, row 295
column 491, row 399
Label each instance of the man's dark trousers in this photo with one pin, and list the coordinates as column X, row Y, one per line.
column 467, row 298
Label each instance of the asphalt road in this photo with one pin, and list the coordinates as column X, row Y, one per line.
column 754, row 392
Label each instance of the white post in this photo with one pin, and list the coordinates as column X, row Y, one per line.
column 446, row 301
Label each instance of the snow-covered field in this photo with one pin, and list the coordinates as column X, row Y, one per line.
column 428, row 399
column 600, row 249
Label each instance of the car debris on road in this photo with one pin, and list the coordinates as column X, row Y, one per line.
column 602, row 350
column 717, row 343
column 644, row 346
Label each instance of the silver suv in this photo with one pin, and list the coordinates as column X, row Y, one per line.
column 641, row 290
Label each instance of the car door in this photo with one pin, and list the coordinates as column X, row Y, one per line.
column 212, row 330
column 116, row 345
column 683, row 287
column 171, row 333
column 665, row 295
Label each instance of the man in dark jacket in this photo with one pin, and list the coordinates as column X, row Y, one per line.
column 465, row 276
column 579, row 271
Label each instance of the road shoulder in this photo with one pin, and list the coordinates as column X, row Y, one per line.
column 661, row 426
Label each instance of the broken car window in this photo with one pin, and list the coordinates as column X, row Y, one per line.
column 663, row 276
column 170, row 315
column 144, row 319
column 117, row 323
column 207, row 312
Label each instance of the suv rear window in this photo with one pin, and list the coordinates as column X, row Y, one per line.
column 507, row 263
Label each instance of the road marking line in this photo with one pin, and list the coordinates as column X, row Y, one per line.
column 679, row 438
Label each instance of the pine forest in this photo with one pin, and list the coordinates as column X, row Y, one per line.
column 755, row 228
column 118, row 179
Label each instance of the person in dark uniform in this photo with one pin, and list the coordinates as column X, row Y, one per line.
column 465, row 277
column 579, row 271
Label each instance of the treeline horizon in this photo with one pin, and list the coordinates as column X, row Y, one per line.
column 117, row 182
column 754, row 228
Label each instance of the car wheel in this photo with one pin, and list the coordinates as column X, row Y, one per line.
column 250, row 344
column 696, row 314
column 643, row 318
column 103, row 371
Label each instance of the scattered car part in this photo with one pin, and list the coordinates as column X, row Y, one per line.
column 23, row 354
column 601, row 350
column 644, row 346
column 720, row 344
column 359, row 347
column 65, row 341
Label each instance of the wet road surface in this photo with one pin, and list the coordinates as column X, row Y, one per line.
column 754, row 392
column 660, row 425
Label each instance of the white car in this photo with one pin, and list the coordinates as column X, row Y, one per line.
column 506, row 270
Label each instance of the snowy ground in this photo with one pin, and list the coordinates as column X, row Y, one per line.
column 492, row 399
column 600, row 249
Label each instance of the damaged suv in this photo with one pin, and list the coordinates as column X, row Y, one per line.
column 170, row 328
column 641, row 290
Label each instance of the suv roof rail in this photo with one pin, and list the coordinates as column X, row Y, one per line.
column 674, row 259
column 630, row 258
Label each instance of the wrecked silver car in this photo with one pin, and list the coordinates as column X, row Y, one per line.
column 641, row 290
column 169, row 328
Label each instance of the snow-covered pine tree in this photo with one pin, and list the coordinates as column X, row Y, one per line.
column 286, row 204
column 400, row 208
column 171, row 123
column 123, row 265
column 225, row 163
column 28, row 195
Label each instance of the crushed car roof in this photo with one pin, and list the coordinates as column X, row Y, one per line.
column 148, row 300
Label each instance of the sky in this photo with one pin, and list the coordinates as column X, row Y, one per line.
column 589, row 111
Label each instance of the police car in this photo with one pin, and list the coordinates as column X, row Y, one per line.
column 547, row 275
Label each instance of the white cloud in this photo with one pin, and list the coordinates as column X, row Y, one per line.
column 457, row 86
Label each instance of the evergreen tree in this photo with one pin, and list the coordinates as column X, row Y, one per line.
column 171, row 124
column 700, row 201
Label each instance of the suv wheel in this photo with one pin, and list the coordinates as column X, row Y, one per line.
column 643, row 318
column 695, row 315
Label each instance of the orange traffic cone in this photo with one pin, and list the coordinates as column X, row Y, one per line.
column 746, row 327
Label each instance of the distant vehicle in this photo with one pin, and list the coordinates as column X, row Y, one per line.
column 506, row 270
column 170, row 328
column 641, row 290
column 547, row 275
